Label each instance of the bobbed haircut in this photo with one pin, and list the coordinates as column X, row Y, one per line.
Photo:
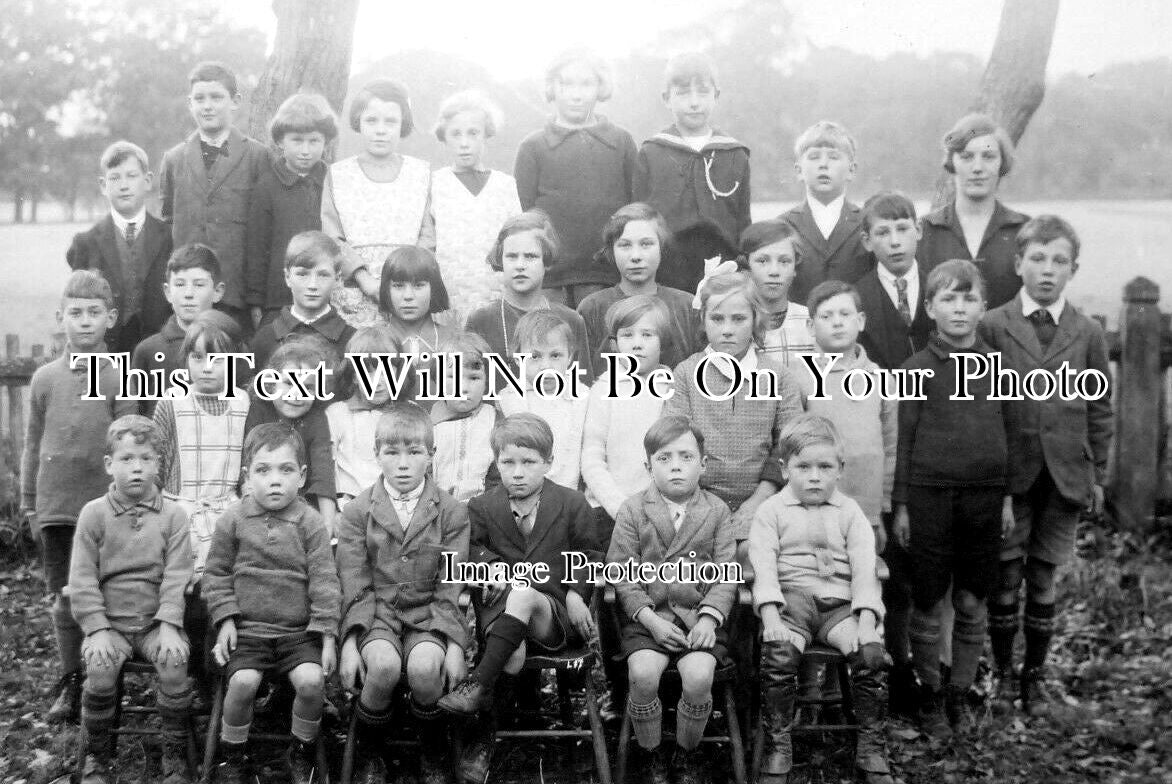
column 764, row 233
column 535, row 221
column 974, row 126
column 730, row 284
column 959, row 274
column 88, row 284
column 667, row 429
column 829, row 289
column 627, row 312
column 602, row 72
column 826, row 133
column 304, row 113
column 309, row 248
column 215, row 331
column 214, row 71
column 404, row 423
column 272, row 436
column 384, row 90
column 469, row 101
column 306, row 351
column 540, row 327
column 887, row 205
column 617, row 224
column 140, row 429
column 470, row 346
column 808, row 430
column 194, row 255
column 684, row 69
column 121, row 151
column 1047, row 228
column 524, row 430
column 412, row 264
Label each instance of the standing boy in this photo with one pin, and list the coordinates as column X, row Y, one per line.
column 131, row 564
column 206, row 182
column 1058, row 455
column 129, row 247
column 577, row 169
column 62, row 467
column 272, row 590
column 828, row 223
column 312, row 259
column 694, row 175
column 952, row 504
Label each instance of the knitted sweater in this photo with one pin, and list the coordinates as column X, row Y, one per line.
column 788, row 541
column 131, row 564
column 272, row 571
column 682, row 342
column 613, row 461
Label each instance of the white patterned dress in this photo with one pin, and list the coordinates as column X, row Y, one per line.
column 376, row 217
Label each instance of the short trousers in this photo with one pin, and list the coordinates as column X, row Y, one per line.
column 955, row 541
column 635, row 637
column 404, row 642
column 1045, row 524
column 562, row 636
column 814, row 618
column 56, row 543
column 143, row 644
column 274, row 654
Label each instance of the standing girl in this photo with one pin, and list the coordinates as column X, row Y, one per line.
column 469, row 201
column 377, row 199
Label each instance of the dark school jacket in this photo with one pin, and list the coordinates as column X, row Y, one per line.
column 887, row 340
column 839, row 257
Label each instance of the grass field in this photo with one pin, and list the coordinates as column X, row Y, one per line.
column 1121, row 239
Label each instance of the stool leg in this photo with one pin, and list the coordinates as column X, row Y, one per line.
column 213, row 739
column 348, row 750
column 119, row 691
column 736, row 740
column 624, row 750
column 601, row 763
column 565, row 706
column 847, row 689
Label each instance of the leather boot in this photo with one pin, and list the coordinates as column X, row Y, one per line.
column 868, row 679
column 779, row 680
column 433, row 744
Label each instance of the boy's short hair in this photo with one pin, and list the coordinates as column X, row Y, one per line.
column 808, row 430
column 973, row 126
column 588, row 58
column 385, row 90
column 540, row 327
column 683, row 69
column 213, row 71
column 194, row 255
column 304, row 113
column 524, row 430
column 218, row 332
column 412, row 264
column 375, row 339
column 88, row 284
column 404, row 423
column 1047, row 228
column 667, row 429
column 470, row 346
column 887, row 205
column 469, row 101
column 828, row 289
column 138, row 427
column 627, row 312
column 825, row 133
column 306, row 350
column 271, row 436
column 617, row 224
column 307, row 248
column 535, row 221
column 117, row 153
column 960, row 274
column 762, row 233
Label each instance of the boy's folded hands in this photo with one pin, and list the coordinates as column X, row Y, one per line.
column 703, row 635
column 172, row 646
column 352, row 669
column 665, row 632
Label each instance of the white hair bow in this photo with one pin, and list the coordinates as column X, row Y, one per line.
column 712, row 267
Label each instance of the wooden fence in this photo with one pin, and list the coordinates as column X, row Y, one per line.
column 15, row 373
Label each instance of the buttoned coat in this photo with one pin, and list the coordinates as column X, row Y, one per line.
column 1070, row 438
column 644, row 533
column 393, row 578
column 839, row 257
column 943, row 240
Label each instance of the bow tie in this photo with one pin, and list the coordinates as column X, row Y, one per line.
column 211, row 152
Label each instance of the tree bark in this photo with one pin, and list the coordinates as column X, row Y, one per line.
column 311, row 51
column 1015, row 78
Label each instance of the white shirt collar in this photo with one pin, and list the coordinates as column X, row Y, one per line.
column 673, row 512
column 304, row 320
column 748, row 362
column 216, row 141
column 120, row 223
column 697, row 143
column 1029, row 305
column 912, row 276
column 826, row 215
column 405, row 508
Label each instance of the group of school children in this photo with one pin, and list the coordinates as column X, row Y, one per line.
column 199, row 528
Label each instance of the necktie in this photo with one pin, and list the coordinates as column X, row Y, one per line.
column 130, row 233
column 678, row 519
column 524, row 522
column 905, row 312
column 1044, row 327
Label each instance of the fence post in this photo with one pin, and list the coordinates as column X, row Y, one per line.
column 15, row 400
column 1137, row 408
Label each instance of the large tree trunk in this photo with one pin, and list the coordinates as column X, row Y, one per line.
column 1015, row 78
column 311, row 51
